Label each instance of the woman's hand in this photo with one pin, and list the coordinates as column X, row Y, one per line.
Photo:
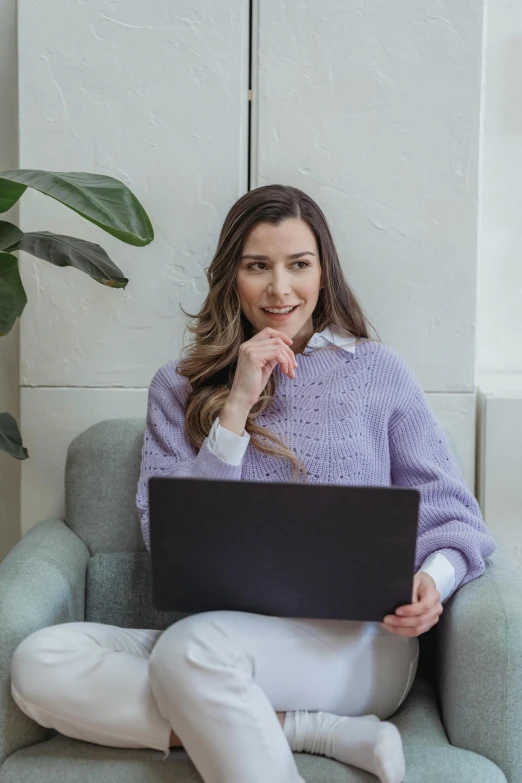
column 257, row 358
column 418, row 617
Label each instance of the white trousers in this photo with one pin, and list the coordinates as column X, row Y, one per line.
column 216, row 678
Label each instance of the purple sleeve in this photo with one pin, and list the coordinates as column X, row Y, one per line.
column 450, row 520
column 166, row 449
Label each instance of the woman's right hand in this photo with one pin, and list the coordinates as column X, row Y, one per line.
column 257, row 358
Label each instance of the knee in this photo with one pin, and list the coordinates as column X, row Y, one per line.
column 193, row 646
column 35, row 666
column 27, row 676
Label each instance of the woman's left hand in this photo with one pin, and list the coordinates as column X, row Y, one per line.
column 418, row 617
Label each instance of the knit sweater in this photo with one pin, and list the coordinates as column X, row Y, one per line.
column 358, row 418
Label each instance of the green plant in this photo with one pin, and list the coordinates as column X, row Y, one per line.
column 104, row 201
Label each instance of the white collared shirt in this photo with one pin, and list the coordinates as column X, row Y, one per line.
column 231, row 447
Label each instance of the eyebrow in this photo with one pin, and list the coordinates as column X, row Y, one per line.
column 266, row 258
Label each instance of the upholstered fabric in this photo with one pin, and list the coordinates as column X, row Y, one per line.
column 42, row 582
column 101, row 476
column 119, row 592
column 429, row 757
column 95, row 567
column 480, row 665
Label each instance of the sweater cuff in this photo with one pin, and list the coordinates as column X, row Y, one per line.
column 439, row 567
column 227, row 445
column 459, row 563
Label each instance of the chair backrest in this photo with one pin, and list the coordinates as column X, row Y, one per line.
column 119, row 592
column 101, row 479
column 101, row 476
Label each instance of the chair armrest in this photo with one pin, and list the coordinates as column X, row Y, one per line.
column 42, row 583
column 479, row 651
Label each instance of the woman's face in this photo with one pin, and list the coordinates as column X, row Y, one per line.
column 280, row 268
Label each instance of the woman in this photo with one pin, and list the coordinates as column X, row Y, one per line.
column 281, row 383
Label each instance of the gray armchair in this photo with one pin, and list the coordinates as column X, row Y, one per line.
column 460, row 722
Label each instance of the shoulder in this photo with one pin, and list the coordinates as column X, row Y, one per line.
column 393, row 379
column 169, row 384
column 388, row 362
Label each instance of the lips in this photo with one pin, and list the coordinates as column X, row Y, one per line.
column 279, row 312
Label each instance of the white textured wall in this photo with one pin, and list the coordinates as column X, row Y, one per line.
column 9, row 345
column 499, row 344
column 154, row 94
column 500, row 464
column 373, row 109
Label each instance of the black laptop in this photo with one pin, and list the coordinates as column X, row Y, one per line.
column 282, row 549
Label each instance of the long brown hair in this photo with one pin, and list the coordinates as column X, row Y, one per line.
column 220, row 327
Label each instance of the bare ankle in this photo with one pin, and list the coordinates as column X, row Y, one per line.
column 175, row 741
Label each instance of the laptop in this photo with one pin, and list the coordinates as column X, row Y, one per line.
column 282, row 548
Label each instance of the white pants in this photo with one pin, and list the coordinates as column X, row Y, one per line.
column 216, row 678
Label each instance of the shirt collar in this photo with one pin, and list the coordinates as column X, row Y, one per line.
column 332, row 334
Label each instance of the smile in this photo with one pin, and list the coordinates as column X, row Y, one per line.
column 279, row 310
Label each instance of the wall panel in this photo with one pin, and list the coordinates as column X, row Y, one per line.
column 373, row 109
column 154, row 94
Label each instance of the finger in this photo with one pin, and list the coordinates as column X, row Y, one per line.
column 287, row 364
column 291, row 355
column 425, row 605
column 268, row 348
column 284, row 336
column 269, row 332
column 282, row 358
column 270, row 342
column 420, row 624
column 269, row 366
column 275, row 348
column 411, row 622
column 407, row 620
column 284, row 355
column 415, row 591
column 409, row 632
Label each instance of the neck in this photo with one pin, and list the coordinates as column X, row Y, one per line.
column 300, row 339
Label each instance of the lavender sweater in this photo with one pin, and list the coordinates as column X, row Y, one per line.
column 356, row 418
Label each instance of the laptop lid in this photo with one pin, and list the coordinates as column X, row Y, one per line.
column 283, row 549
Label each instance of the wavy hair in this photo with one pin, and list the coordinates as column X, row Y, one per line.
column 210, row 360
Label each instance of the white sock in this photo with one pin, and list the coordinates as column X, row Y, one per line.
column 365, row 742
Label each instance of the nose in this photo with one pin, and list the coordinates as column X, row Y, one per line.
column 279, row 284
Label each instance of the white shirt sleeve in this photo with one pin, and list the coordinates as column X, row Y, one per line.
column 227, row 445
column 439, row 567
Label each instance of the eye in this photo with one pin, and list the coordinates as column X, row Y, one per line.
column 262, row 263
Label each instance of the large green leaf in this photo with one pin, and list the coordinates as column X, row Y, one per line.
column 12, row 294
column 104, row 201
column 9, row 235
column 10, row 192
column 68, row 251
column 10, row 438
